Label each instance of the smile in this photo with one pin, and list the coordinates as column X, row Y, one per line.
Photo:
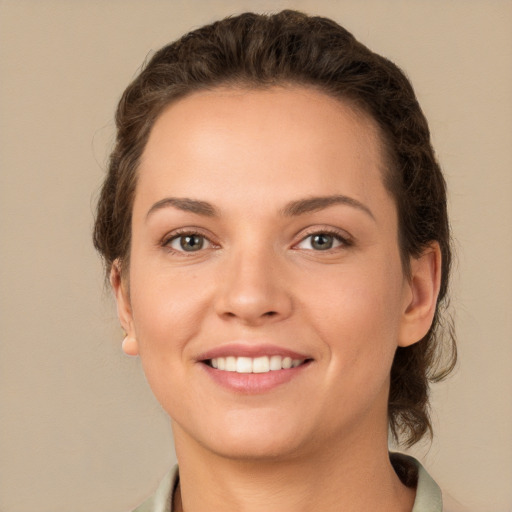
column 262, row 364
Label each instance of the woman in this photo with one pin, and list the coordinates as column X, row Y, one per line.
column 274, row 227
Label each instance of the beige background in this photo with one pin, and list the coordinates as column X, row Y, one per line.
column 79, row 429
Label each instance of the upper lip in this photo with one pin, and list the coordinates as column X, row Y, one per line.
column 250, row 350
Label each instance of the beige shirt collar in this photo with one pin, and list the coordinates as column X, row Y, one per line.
column 428, row 493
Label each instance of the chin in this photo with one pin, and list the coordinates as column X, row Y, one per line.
column 242, row 436
column 248, row 448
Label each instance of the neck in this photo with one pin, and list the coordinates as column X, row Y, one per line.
column 350, row 475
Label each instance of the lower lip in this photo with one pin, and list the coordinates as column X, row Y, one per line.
column 254, row 383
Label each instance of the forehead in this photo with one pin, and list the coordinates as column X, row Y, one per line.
column 281, row 139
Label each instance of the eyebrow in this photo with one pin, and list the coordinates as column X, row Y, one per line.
column 313, row 204
column 185, row 204
column 292, row 209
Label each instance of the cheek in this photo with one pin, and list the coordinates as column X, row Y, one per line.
column 358, row 314
column 358, row 320
column 167, row 309
column 167, row 314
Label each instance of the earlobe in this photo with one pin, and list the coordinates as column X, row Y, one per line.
column 130, row 346
column 124, row 312
column 421, row 304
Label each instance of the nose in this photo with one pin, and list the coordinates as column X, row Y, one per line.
column 253, row 289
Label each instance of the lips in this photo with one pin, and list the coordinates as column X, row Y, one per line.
column 253, row 368
column 251, row 350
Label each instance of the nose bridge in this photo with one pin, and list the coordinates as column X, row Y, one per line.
column 253, row 288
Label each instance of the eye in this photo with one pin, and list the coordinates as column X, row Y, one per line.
column 188, row 242
column 322, row 241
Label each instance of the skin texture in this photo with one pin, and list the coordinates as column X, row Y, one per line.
column 317, row 440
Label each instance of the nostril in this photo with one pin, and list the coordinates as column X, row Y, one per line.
column 270, row 313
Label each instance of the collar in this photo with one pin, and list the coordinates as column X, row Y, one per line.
column 428, row 493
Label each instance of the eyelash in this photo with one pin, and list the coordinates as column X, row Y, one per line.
column 344, row 240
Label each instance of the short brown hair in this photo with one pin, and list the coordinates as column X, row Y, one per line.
column 258, row 51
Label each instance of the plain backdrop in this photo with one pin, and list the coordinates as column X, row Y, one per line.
column 79, row 428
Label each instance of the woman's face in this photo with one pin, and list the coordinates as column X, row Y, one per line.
column 263, row 236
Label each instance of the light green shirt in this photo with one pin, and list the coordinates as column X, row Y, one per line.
column 428, row 494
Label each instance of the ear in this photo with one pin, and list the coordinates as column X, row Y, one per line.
column 124, row 310
column 421, row 301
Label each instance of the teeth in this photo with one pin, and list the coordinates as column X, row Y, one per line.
column 243, row 365
column 231, row 364
column 275, row 362
column 262, row 364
